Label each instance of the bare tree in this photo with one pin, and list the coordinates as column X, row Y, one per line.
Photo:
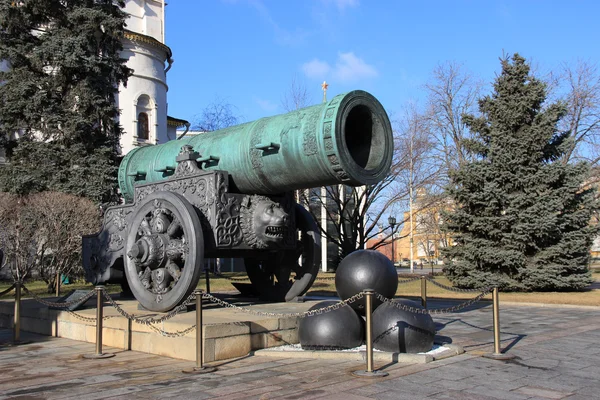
column 62, row 220
column 219, row 114
column 297, row 96
column 42, row 233
column 579, row 87
column 429, row 234
column 19, row 238
column 452, row 93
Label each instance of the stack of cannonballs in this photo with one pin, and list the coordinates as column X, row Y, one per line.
column 394, row 330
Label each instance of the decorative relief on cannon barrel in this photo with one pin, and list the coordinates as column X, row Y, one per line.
column 336, row 100
column 309, row 139
column 329, row 112
column 255, row 139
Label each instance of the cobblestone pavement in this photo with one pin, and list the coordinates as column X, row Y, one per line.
column 556, row 349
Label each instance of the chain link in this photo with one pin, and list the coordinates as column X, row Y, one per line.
column 452, row 288
column 173, row 334
column 303, row 314
column 88, row 319
column 419, row 310
column 7, row 290
column 150, row 320
column 64, row 305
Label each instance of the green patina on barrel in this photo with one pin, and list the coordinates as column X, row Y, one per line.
column 345, row 140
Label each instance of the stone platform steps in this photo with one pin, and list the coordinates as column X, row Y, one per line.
column 227, row 333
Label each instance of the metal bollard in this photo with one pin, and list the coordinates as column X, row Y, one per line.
column 17, row 316
column 496, row 321
column 207, row 276
column 423, row 291
column 99, row 317
column 199, row 368
column 369, row 373
column 497, row 354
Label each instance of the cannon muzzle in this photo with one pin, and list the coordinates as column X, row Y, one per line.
column 346, row 140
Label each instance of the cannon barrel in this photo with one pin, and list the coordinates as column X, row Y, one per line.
column 346, row 140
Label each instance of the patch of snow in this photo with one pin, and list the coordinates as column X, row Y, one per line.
column 297, row 347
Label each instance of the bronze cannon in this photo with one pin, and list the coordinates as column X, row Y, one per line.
column 229, row 193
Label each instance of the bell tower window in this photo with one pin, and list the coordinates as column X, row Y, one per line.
column 143, row 129
column 145, row 123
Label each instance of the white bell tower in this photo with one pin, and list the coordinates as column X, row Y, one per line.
column 143, row 103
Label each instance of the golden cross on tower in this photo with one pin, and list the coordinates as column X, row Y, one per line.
column 324, row 86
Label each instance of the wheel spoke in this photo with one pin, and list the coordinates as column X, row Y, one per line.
column 145, row 227
column 174, row 270
column 174, row 227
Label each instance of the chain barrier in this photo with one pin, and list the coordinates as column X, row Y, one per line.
column 172, row 334
column 150, row 320
column 7, row 290
column 453, row 289
column 408, row 280
column 303, row 314
column 67, row 304
column 419, row 310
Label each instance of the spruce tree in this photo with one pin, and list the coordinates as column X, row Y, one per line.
column 58, row 116
column 522, row 217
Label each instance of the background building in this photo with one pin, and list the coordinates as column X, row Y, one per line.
column 427, row 239
column 143, row 103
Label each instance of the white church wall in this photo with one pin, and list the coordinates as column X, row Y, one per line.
column 147, row 60
column 146, row 17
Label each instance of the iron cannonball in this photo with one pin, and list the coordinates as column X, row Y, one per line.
column 338, row 329
column 365, row 269
column 400, row 331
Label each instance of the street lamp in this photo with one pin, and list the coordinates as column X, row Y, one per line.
column 392, row 222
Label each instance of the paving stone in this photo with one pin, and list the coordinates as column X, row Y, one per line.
column 249, row 368
column 542, row 392
column 453, row 385
column 406, row 387
column 553, row 360
column 346, row 396
column 262, row 392
column 492, row 391
column 459, row 395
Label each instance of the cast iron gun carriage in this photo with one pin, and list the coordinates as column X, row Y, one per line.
column 229, row 193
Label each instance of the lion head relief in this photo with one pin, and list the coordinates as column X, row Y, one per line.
column 264, row 221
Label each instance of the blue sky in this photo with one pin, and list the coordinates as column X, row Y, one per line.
column 249, row 51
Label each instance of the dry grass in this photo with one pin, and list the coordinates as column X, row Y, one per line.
column 589, row 297
column 40, row 288
column 325, row 285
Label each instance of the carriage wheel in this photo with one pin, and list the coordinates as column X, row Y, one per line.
column 270, row 276
column 164, row 251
